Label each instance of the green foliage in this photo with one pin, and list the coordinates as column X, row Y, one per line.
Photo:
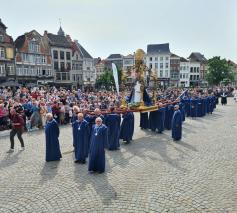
column 218, row 70
column 107, row 79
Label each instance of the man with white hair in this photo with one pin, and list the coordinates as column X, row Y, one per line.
column 177, row 124
column 53, row 152
column 81, row 137
column 99, row 139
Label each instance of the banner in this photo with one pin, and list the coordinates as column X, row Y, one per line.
column 115, row 74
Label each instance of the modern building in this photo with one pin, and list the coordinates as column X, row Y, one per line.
column 33, row 59
column 61, row 57
column 7, row 57
column 158, row 60
column 184, row 73
column 117, row 59
column 174, row 70
column 198, row 68
column 88, row 67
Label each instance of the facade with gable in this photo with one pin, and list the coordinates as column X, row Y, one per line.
column 33, row 59
column 61, row 53
column 198, row 68
column 7, row 55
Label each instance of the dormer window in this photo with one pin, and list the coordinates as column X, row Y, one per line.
column 34, row 47
column 2, row 52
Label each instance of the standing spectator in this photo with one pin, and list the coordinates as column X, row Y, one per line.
column 17, row 129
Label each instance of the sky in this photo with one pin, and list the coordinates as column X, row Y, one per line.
column 104, row 27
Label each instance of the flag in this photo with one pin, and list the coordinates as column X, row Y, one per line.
column 115, row 74
column 184, row 94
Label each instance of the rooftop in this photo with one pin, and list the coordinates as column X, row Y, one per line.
column 196, row 56
column 158, row 48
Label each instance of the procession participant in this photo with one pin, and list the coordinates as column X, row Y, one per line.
column 112, row 121
column 160, row 119
column 153, row 120
column 182, row 110
column 127, row 127
column 17, row 129
column 168, row 116
column 177, row 124
column 81, row 139
column 75, row 110
column 53, row 152
column 144, row 121
column 99, row 138
column 193, row 107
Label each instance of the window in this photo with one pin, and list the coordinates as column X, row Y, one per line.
column 34, row 47
column 180, row 76
column 166, row 73
column 197, row 77
column 161, row 58
column 56, row 65
column 68, row 55
column 191, row 77
column 1, row 38
column 68, row 66
column 197, row 69
column 161, row 73
column 150, row 65
column 194, row 69
column 10, row 69
column 150, row 58
column 2, row 52
column 166, row 58
column 191, row 69
column 156, row 65
column 55, row 54
column 62, row 65
column 161, row 65
column 2, row 69
column 156, row 58
column 43, row 72
column 43, row 59
column 166, row 65
column 61, row 55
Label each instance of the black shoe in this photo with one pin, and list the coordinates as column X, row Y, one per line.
column 76, row 161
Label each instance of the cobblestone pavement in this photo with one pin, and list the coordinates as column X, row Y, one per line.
column 152, row 174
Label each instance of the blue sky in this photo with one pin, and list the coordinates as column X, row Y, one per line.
column 122, row 26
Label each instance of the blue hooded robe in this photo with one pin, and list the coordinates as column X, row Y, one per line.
column 177, row 125
column 127, row 127
column 81, row 135
column 112, row 121
column 53, row 152
column 168, row 116
column 99, row 139
column 193, row 107
column 161, row 119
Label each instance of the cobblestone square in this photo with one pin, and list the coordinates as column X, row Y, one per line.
column 152, row 174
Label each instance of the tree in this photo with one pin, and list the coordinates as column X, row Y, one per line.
column 218, row 70
column 107, row 78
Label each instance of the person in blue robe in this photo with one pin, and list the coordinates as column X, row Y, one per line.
column 127, row 127
column 153, row 121
column 144, row 121
column 161, row 119
column 112, row 121
column 193, row 107
column 81, row 139
column 177, row 124
column 168, row 116
column 199, row 107
column 182, row 110
column 99, row 139
column 53, row 152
